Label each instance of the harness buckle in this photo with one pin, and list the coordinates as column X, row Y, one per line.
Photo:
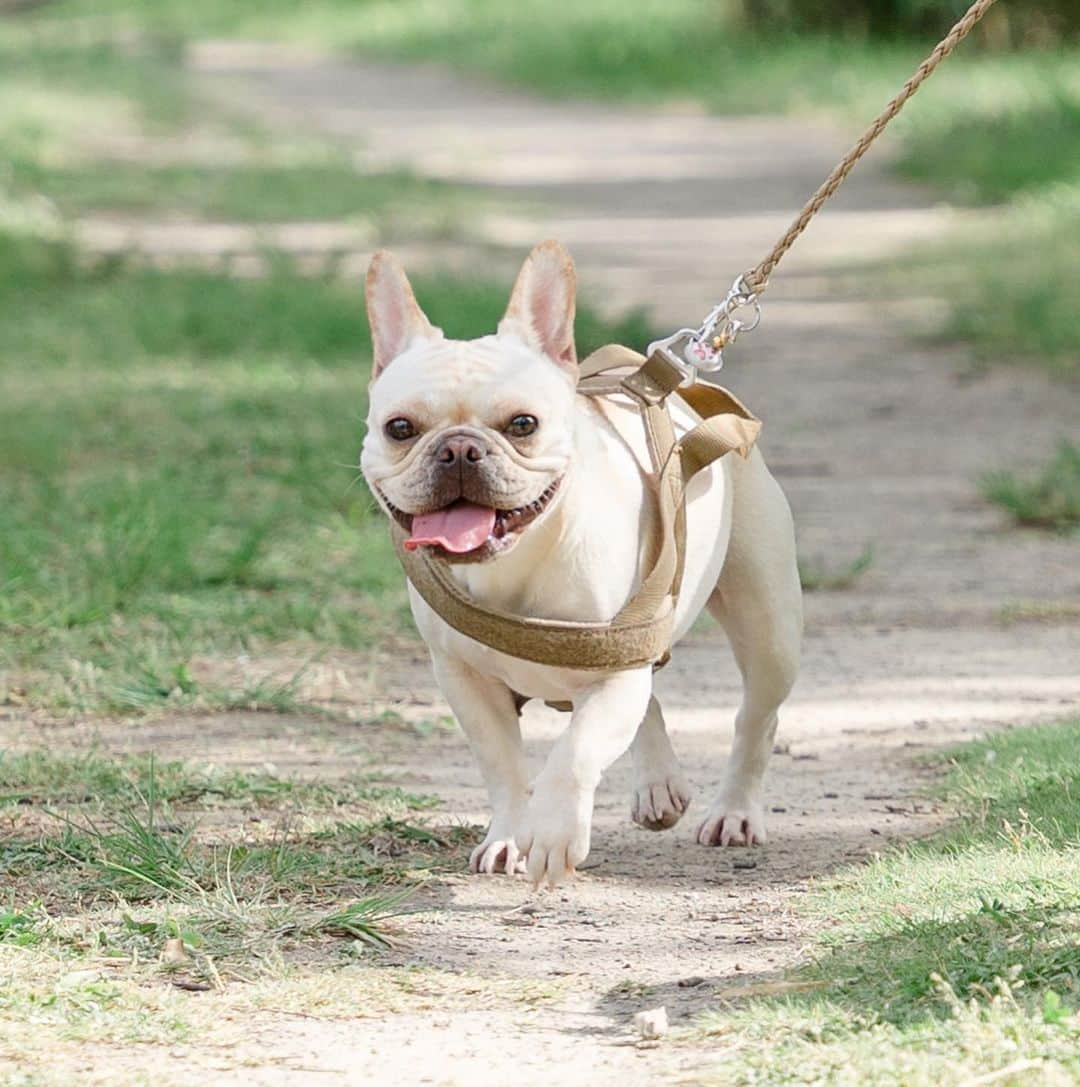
column 701, row 350
column 675, row 350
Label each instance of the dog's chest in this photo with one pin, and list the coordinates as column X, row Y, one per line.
column 584, row 563
column 524, row 677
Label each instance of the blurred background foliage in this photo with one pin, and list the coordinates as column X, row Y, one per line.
column 175, row 440
column 999, row 123
column 1018, row 23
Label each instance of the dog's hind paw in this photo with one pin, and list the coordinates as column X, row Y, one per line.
column 660, row 805
column 733, row 824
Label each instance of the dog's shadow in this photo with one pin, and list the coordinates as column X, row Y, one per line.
column 684, row 1000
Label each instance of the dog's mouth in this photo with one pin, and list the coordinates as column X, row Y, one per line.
column 466, row 532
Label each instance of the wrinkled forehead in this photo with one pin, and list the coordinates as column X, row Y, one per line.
column 451, row 376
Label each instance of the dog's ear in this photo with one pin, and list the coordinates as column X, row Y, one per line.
column 396, row 320
column 541, row 310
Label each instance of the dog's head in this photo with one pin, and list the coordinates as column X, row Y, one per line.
column 468, row 441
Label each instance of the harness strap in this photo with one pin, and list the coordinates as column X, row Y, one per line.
column 642, row 631
column 727, row 426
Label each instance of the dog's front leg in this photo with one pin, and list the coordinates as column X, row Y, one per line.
column 486, row 711
column 554, row 833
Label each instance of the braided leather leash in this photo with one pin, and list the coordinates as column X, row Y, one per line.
column 702, row 349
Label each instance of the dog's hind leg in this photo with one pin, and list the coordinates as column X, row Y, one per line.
column 758, row 601
column 661, row 792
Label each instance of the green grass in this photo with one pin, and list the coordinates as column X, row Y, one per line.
column 17, row 927
column 320, row 187
column 949, row 958
column 1012, row 140
column 1050, row 499
column 175, row 452
column 1006, row 282
column 130, row 886
column 821, row 575
column 99, row 69
column 1010, row 137
column 180, row 847
column 39, row 777
column 174, row 448
column 90, row 127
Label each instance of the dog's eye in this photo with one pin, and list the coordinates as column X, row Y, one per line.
column 521, row 426
column 400, row 429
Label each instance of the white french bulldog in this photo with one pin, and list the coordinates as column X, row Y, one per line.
column 539, row 498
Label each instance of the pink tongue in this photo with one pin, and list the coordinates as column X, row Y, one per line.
column 459, row 528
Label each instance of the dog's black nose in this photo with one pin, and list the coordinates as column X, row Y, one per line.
column 460, row 449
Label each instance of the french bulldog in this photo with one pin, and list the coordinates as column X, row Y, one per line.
column 539, row 500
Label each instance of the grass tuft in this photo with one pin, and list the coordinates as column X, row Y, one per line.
column 19, row 927
column 362, row 920
column 825, row 576
column 221, row 875
column 1050, row 499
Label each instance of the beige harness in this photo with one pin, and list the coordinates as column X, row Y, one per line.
column 641, row 633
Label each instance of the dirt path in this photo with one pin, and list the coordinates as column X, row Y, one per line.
column 877, row 442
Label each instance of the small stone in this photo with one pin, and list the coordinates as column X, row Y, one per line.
column 690, row 983
column 522, row 921
column 744, row 862
column 832, row 796
column 652, row 1023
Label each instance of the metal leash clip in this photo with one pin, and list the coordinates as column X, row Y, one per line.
column 701, row 350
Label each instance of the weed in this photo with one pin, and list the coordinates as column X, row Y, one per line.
column 19, row 927
column 1050, row 499
column 823, row 576
column 361, row 920
column 1039, row 611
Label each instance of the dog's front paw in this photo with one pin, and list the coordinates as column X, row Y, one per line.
column 734, row 820
column 498, row 852
column 554, row 833
column 659, row 805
